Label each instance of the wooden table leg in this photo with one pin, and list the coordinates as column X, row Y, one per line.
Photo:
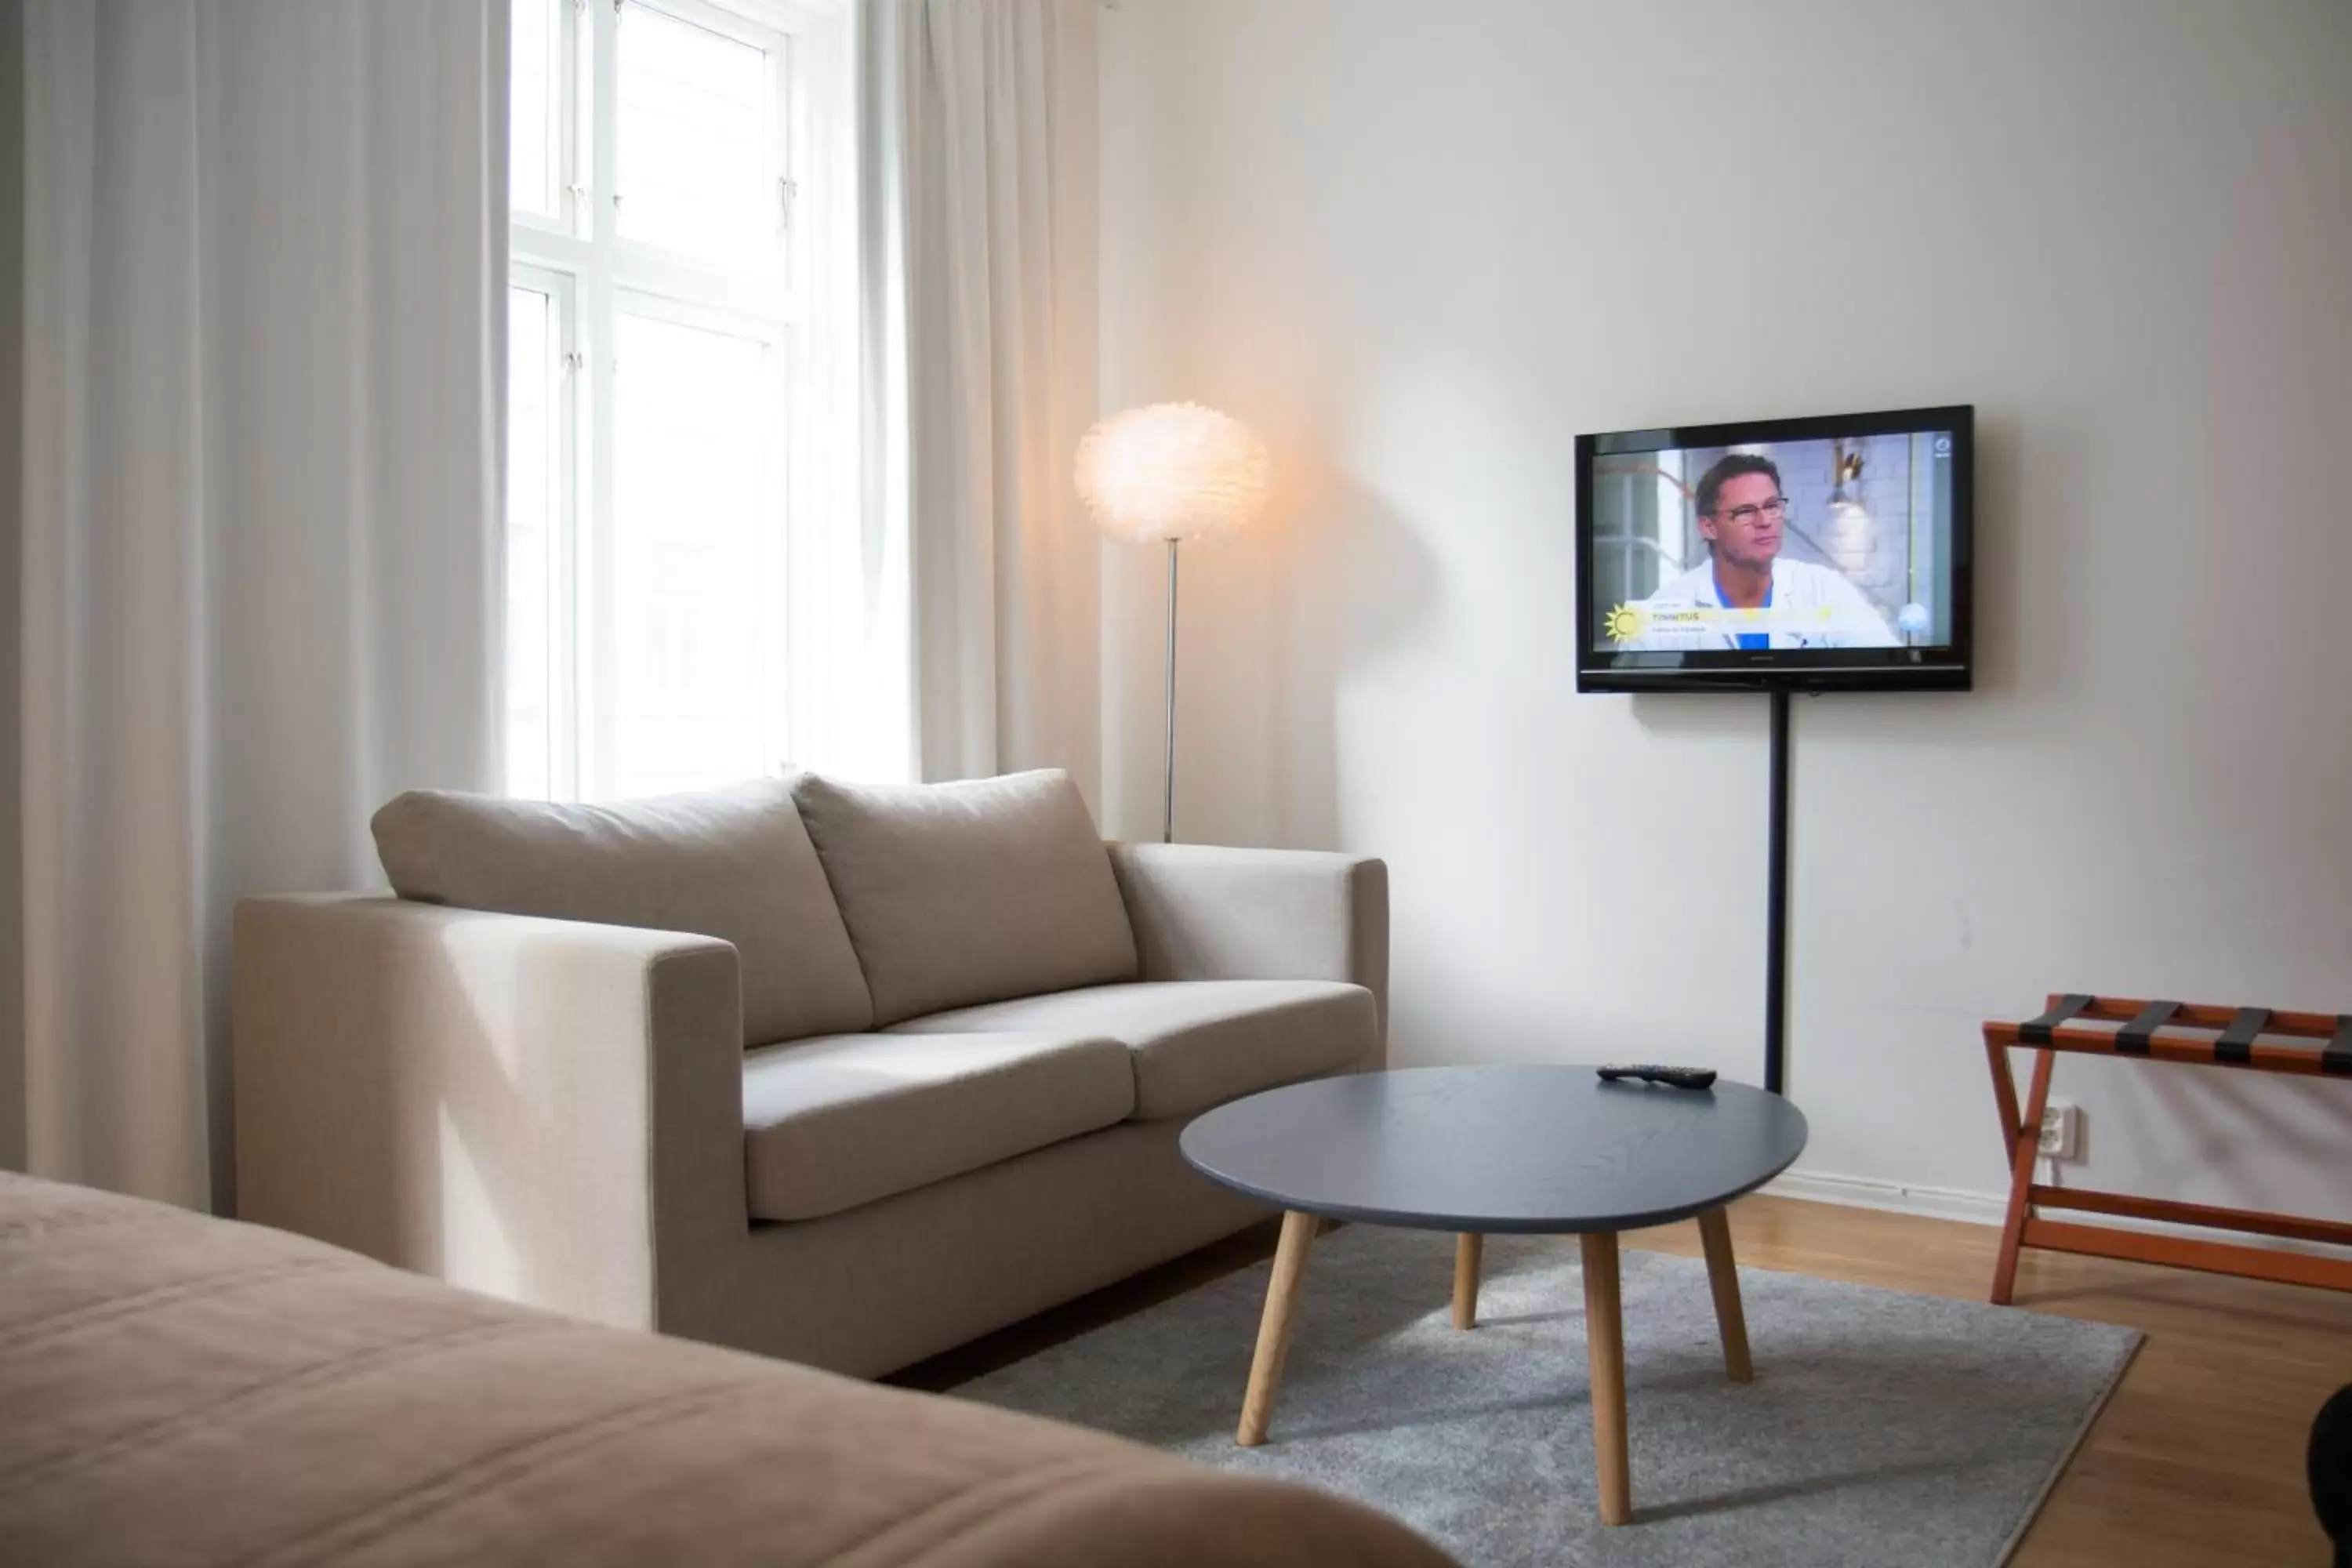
column 1604, row 1335
column 1273, row 1328
column 1723, row 1277
column 2027, row 1134
column 1467, row 1246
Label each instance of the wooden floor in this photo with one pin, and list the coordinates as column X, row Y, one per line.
column 2197, row 1459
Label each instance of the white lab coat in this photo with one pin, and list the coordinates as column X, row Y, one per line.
column 1813, row 606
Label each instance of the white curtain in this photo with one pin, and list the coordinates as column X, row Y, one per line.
column 263, row 398
column 975, row 153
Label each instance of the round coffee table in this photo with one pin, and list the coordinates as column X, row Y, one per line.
column 1475, row 1150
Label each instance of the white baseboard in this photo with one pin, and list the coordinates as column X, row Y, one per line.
column 1895, row 1198
column 1991, row 1208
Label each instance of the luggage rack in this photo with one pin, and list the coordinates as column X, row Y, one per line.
column 2248, row 1039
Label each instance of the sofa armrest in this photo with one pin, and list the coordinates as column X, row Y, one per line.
column 541, row 1110
column 1205, row 912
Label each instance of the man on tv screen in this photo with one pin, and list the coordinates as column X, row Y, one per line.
column 1745, row 595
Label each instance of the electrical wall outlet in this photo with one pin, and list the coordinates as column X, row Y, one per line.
column 2062, row 1131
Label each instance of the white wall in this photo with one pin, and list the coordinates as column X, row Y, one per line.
column 1421, row 246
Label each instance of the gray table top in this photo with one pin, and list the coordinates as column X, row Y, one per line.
column 1496, row 1149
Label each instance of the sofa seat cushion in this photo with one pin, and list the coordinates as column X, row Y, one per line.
column 733, row 863
column 832, row 1123
column 965, row 892
column 1197, row 1043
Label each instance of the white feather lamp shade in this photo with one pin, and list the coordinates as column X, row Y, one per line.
column 1173, row 470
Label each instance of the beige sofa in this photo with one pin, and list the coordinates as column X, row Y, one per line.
column 190, row 1392
column 843, row 1074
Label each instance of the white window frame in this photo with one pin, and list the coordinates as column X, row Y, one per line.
column 581, row 258
column 563, row 571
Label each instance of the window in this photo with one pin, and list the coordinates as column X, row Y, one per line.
column 1640, row 505
column 652, row 314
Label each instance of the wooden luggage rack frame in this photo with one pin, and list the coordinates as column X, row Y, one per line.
column 2249, row 1039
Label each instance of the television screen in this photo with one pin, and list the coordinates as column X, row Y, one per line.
column 1816, row 554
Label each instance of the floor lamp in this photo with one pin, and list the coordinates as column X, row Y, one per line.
column 1171, row 472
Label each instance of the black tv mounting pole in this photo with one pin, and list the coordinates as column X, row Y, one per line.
column 1776, row 909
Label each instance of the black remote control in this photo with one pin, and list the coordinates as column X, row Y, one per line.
column 1651, row 1072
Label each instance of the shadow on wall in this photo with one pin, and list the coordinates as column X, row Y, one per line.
column 2001, row 596
column 2220, row 1124
column 1352, row 578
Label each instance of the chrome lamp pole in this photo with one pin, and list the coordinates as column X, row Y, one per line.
column 1168, row 782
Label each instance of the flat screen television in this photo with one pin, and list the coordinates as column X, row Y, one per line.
column 1819, row 555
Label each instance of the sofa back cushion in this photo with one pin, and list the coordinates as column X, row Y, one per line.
column 969, row 893
column 731, row 863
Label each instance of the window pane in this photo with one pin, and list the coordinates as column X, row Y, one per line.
column 533, row 154
column 696, row 594
column 696, row 170
column 533, row 450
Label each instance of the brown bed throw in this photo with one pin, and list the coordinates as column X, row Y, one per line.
column 181, row 1390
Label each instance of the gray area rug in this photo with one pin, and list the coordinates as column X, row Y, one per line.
column 1881, row 1428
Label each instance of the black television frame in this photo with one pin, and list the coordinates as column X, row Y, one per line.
column 1950, row 669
